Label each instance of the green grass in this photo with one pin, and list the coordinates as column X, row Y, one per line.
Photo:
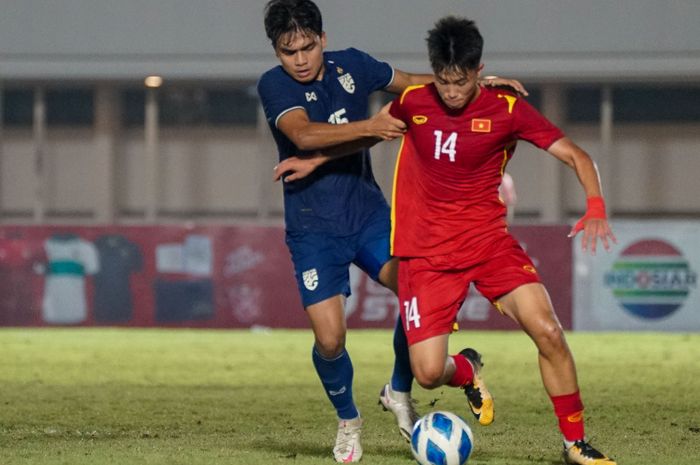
column 112, row 396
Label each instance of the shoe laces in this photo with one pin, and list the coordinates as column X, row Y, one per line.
column 347, row 434
column 406, row 401
column 411, row 406
column 587, row 450
column 473, row 394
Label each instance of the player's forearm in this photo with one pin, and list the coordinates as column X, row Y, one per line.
column 582, row 164
column 322, row 136
column 402, row 80
column 343, row 150
column 586, row 170
column 349, row 148
column 588, row 176
column 420, row 79
column 298, row 167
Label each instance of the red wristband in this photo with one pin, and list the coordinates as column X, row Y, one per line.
column 595, row 208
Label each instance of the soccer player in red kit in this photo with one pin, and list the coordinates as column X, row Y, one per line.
column 449, row 228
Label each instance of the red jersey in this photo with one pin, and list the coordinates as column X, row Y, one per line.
column 445, row 198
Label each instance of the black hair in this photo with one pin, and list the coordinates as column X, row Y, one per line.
column 285, row 16
column 455, row 44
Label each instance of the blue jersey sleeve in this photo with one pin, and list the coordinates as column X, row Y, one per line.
column 275, row 96
column 377, row 73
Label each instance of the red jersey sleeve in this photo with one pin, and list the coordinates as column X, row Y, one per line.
column 396, row 109
column 530, row 125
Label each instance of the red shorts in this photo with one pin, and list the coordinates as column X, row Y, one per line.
column 432, row 289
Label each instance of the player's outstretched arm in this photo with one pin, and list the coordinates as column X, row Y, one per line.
column 402, row 80
column 512, row 84
column 308, row 135
column 594, row 223
column 300, row 166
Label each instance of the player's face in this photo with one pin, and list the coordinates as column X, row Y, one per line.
column 301, row 55
column 457, row 88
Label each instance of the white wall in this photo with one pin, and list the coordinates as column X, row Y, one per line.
column 16, row 171
column 209, row 170
column 543, row 39
column 225, row 172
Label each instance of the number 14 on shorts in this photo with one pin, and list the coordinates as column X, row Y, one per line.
column 411, row 313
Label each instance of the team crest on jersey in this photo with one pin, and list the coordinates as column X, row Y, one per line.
column 420, row 119
column 311, row 96
column 347, row 82
column 310, row 278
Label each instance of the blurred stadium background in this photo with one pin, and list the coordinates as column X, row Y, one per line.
column 131, row 204
column 167, row 189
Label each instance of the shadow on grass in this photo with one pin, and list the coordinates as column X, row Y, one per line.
column 294, row 449
column 483, row 458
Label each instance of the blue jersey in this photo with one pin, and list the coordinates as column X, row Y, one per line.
column 342, row 194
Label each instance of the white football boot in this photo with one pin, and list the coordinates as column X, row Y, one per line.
column 347, row 443
column 402, row 406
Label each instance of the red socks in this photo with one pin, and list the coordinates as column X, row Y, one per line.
column 464, row 372
column 569, row 409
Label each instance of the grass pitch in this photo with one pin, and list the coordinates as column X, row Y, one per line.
column 133, row 396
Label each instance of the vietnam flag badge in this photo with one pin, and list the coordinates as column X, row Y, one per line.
column 481, row 125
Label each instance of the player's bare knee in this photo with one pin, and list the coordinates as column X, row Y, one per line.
column 429, row 377
column 330, row 347
column 551, row 340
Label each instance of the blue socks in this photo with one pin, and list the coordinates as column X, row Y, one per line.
column 402, row 376
column 336, row 376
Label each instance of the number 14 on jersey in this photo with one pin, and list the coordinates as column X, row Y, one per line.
column 411, row 313
column 447, row 147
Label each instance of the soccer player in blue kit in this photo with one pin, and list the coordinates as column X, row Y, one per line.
column 318, row 101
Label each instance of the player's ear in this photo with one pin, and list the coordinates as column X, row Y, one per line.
column 479, row 70
column 323, row 39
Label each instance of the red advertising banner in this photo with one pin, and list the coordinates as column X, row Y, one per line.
column 206, row 276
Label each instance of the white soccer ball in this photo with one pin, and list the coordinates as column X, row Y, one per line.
column 441, row 438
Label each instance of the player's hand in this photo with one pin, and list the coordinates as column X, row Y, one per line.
column 495, row 81
column 594, row 229
column 297, row 167
column 594, row 225
column 385, row 126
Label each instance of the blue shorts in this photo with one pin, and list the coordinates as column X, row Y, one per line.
column 322, row 262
